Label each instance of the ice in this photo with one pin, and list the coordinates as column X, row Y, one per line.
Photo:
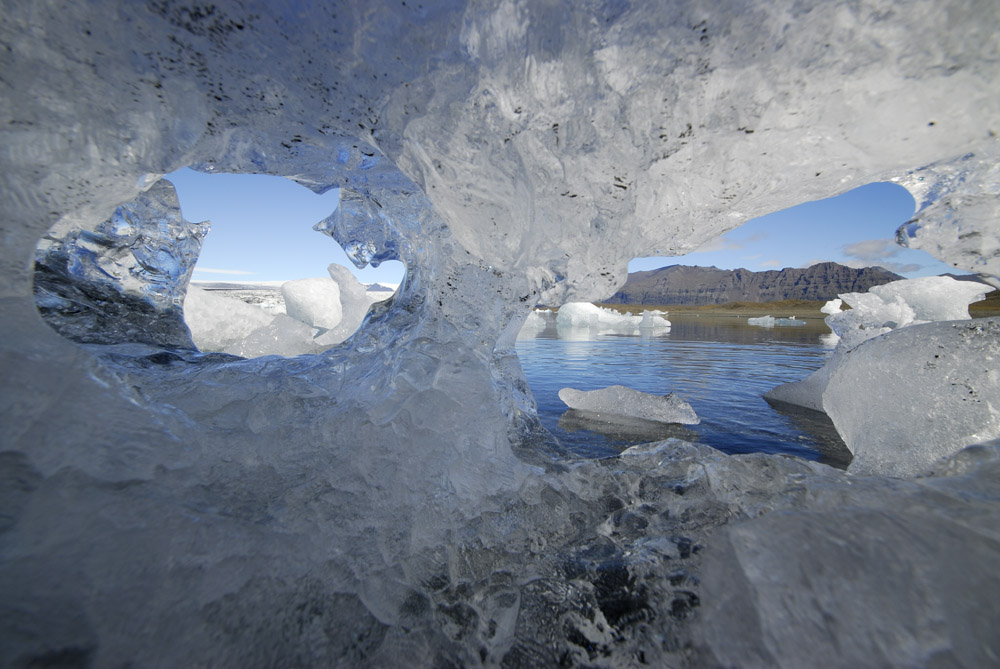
column 218, row 322
column 879, row 311
column 763, row 321
column 354, row 302
column 395, row 496
column 958, row 211
column 315, row 302
column 585, row 315
column 283, row 335
column 919, row 393
column 124, row 279
column 624, row 401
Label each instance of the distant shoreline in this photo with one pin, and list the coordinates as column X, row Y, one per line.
column 803, row 309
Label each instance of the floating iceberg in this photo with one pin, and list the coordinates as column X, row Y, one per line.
column 586, row 315
column 218, row 322
column 624, row 401
column 902, row 401
column 876, row 402
column 763, row 321
column 395, row 496
column 771, row 321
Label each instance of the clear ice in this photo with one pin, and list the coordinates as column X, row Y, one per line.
column 625, row 401
column 394, row 498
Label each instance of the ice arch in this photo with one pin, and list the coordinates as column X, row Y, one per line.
column 509, row 153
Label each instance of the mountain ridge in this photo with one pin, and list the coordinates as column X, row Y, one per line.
column 698, row 286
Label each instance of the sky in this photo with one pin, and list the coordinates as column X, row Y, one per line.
column 262, row 231
column 856, row 228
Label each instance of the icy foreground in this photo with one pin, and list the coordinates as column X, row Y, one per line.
column 623, row 401
column 394, row 498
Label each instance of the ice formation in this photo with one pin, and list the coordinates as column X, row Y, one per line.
column 903, row 401
column 625, row 401
column 586, row 315
column 315, row 302
column 321, row 313
column 898, row 413
column 395, row 497
column 218, row 322
column 763, row 321
column 123, row 280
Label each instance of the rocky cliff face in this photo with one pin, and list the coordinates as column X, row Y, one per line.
column 683, row 285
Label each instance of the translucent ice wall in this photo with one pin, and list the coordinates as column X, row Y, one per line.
column 509, row 153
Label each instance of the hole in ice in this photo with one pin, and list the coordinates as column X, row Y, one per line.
column 303, row 293
column 263, row 282
column 710, row 355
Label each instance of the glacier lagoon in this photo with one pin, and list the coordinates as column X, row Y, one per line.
column 396, row 499
column 719, row 364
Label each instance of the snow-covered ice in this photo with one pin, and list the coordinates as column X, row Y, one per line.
column 624, row 401
column 396, row 495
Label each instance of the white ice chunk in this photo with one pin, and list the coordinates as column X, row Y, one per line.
column 934, row 298
column 832, row 307
column 315, row 301
column 624, row 401
column 763, row 321
column 879, row 311
column 587, row 315
column 902, row 401
column 354, row 301
column 284, row 335
column 218, row 323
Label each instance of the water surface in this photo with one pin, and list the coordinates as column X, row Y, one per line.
column 719, row 364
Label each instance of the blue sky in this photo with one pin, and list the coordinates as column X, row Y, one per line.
column 262, row 231
column 856, row 228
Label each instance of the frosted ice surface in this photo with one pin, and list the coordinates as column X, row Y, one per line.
column 283, row 335
column 879, row 311
column 932, row 298
column 354, row 303
column 218, row 322
column 958, row 211
column 373, row 502
column 124, row 279
column 315, row 302
column 832, row 307
column 917, row 394
column 624, row 401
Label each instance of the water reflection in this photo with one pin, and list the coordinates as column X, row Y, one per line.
column 623, row 429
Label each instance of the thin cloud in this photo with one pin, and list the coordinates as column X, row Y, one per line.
column 771, row 263
column 872, row 250
column 212, row 270
column 877, row 252
column 725, row 244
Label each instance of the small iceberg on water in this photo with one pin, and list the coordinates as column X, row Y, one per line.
column 771, row 321
column 624, row 401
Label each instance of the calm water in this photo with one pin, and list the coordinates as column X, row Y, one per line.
column 719, row 364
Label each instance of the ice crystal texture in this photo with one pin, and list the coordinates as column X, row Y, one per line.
column 123, row 280
column 395, row 496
